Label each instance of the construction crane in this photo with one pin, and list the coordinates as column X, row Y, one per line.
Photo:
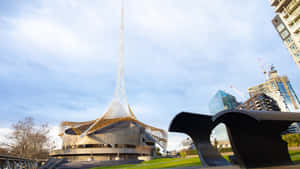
column 263, row 65
column 241, row 94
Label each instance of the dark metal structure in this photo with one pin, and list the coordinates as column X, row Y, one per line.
column 12, row 162
column 198, row 127
column 255, row 136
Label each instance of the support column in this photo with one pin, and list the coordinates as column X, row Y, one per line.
column 8, row 164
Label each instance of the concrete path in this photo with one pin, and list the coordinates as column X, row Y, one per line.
column 91, row 164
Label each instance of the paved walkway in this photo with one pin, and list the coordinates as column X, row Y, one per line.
column 91, row 164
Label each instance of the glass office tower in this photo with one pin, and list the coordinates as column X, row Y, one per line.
column 219, row 102
column 222, row 101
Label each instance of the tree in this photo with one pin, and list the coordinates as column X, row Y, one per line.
column 157, row 151
column 216, row 143
column 182, row 153
column 30, row 141
column 292, row 139
column 4, row 151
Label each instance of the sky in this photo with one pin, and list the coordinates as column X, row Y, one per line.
column 58, row 58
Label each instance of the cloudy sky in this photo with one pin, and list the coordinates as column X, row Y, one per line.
column 58, row 58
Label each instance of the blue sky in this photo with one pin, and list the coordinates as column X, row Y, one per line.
column 58, row 58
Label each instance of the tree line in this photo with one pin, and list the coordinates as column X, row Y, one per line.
column 28, row 140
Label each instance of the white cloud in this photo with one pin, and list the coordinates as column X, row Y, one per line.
column 4, row 133
column 54, row 138
column 52, row 37
column 174, row 141
column 193, row 23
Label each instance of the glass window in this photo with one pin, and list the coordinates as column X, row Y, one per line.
column 285, row 95
column 289, row 40
column 297, row 54
column 273, row 85
column 285, row 34
column 222, row 101
column 280, row 27
column 216, row 104
column 293, row 47
column 293, row 93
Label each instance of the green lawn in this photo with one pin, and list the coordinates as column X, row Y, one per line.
column 177, row 162
column 159, row 163
column 295, row 156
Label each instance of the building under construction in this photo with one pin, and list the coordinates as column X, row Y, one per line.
column 117, row 135
column 260, row 102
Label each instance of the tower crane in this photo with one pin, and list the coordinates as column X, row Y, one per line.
column 262, row 64
column 241, row 94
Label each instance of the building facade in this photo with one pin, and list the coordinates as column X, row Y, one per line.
column 280, row 89
column 219, row 102
column 119, row 141
column 222, row 101
column 117, row 135
column 287, row 24
column 262, row 102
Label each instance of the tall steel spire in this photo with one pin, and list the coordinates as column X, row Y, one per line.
column 120, row 85
column 119, row 107
column 118, row 110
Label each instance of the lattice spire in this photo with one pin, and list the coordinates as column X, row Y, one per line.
column 120, row 85
column 119, row 107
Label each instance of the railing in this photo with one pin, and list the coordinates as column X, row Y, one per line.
column 52, row 163
column 282, row 4
column 274, row 2
column 13, row 162
column 78, row 151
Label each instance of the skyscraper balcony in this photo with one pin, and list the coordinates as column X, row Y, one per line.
column 292, row 6
column 274, row 2
column 297, row 30
column 281, row 5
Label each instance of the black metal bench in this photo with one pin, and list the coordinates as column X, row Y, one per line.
column 255, row 136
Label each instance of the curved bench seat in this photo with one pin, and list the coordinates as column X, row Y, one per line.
column 255, row 136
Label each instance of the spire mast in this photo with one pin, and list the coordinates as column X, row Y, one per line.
column 120, row 94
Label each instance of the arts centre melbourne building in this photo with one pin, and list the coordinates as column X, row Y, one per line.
column 117, row 135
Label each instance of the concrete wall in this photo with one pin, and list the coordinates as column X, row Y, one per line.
column 101, row 151
column 125, row 140
column 99, row 157
column 131, row 135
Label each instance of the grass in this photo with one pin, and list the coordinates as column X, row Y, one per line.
column 178, row 162
column 295, row 156
column 159, row 163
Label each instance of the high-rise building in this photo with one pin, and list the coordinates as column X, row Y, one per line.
column 262, row 102
column 280, row 89
column 287, row 24
column 219, row 102
column 222, row 101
